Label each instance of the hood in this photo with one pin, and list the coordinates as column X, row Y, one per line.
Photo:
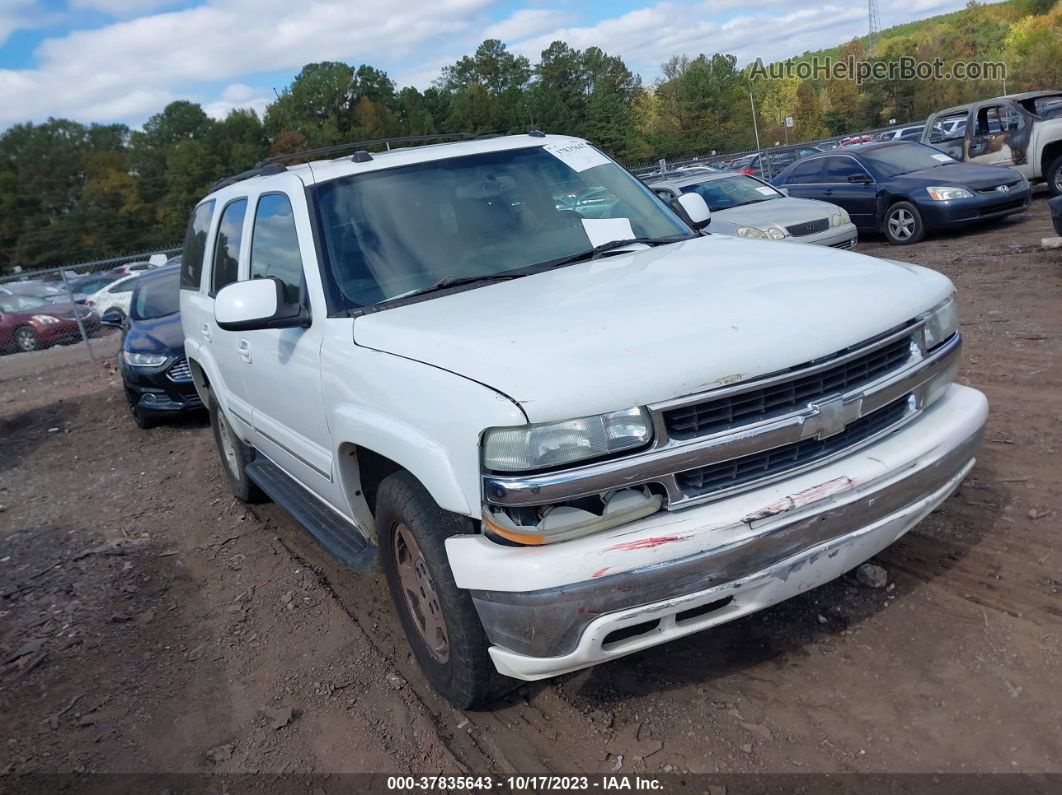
column 782, row 212
column 158, row 335
column 657, row 323
column 962, row 175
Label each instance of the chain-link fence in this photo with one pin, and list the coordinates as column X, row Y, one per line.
column 765, row 163
column 74, row 304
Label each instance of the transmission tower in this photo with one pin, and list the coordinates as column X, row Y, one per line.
column 874, row 25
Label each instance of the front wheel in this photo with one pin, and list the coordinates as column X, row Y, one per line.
column 235, row 456
column 142, row 419
column 438, row 618
column 26, row 339
column 903, row 224
column 1054, row 176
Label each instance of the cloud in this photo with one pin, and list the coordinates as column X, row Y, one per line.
column 238, row 95
column 526, row 22
column 20, row 15
column 133, row 63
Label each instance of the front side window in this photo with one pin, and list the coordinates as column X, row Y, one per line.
column 227, row 245
column 736, row 191
column 195, row 246
column 948, row 128
column 275, row 245
column 395, row 232
column 839, row 169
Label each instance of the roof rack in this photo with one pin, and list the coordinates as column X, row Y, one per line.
column 275, row 164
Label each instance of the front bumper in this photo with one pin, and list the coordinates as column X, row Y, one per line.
column 845, row 236
column 983, row 207
column 557, row 608
column 156, row 393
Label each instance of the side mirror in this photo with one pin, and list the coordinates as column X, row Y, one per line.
column 695, row 208
column 257, row 304
column 112, row 317
column 783, row 191
column 859, row 179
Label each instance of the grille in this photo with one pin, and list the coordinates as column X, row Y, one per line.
column 740, row 471
column 809, row 228
column 180, row 372
column 757, row 404
column 1010, row 185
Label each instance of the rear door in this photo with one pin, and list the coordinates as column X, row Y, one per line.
column 858, row 198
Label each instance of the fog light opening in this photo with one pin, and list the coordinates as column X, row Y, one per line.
column 617, row 636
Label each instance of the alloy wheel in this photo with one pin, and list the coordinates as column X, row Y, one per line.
column 901, row 224
column 25, row 339
column 421, row 599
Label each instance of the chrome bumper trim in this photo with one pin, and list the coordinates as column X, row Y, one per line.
column 550, row 622
column 667, row 457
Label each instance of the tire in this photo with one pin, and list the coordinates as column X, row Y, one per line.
column 141, row 419
column 235, row 456
column 903, row 224
column 1054, row 177
column 439, row 619
column 25, row 339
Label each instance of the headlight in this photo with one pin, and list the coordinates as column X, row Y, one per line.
column 144, row 359
column 776, row 233
column 941, row 323
column 840, row 218
column 550, row 444
column 45, row 319
column 944, row 194
column 752, row 232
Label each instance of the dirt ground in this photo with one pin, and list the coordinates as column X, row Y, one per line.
column 150, row 623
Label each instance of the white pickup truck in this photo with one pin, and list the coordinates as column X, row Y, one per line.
column 564, row 433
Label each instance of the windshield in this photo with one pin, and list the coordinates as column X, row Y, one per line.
column 21, row 303
column 157, row 296
column 394, row 232
column 905, row 158
column 722, row 194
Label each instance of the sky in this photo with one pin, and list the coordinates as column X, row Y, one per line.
column 123, row 60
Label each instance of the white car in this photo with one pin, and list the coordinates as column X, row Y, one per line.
column 563, row 438
column 115, row 296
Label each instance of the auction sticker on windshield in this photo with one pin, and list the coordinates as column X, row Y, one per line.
column 766, row 191
column 579, row 156
column 943, row 158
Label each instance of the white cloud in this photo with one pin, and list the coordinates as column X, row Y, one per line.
column 21, row 14
column 526, row 22
column 238, row 95
column 130, row 64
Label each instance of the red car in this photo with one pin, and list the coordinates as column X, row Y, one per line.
column 28, row 323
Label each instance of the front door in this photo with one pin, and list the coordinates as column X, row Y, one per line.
column 282, row 367
column 858, row 198
column 995, row 134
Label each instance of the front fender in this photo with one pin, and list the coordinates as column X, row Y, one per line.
column 425, row 419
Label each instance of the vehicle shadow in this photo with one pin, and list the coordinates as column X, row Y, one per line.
column 25, row 431
column 799, row 625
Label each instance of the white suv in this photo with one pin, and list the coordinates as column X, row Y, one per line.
column 565, row 430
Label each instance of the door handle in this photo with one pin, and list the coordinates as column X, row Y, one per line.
column 205, row 329
column 245, row 350
column 828, row 192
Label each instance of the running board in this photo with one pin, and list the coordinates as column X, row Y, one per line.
column 339, row 538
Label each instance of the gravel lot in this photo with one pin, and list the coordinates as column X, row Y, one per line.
column 148, row 622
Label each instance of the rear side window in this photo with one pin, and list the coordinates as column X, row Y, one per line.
column 195, row 246
column 805, row 172
column 275, row 245
column 227, row 245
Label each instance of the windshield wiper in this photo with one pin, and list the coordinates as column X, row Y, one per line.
column 604, row 248
column 456, row 281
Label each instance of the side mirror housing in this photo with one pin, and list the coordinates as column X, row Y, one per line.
column 783, row 191
column 695, row 208
column 257, row 304
column 112, row 317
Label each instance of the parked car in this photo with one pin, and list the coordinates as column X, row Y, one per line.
column 563, row 439
column 1022, row 131
column 28, row 323
column 155, row 375
column 114, row 297
column 770, row 162
column 94, row 282
column 52, row 292
column 133, row 268
column 905, row 189
column 744, row 206
column 911, row 133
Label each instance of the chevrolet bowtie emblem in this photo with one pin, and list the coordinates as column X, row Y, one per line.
column 830, row 417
